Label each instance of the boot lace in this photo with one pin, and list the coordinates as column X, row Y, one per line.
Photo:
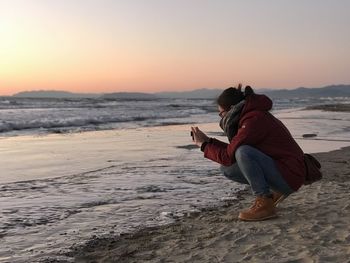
column 257, row 204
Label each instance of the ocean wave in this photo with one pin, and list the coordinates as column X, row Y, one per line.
column 51, row 124
column 32, row 116
column 75, row 125
column 40, row 116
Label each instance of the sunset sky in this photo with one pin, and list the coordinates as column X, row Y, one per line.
column 167, row 45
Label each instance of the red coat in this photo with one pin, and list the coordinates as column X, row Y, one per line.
column 259, row 129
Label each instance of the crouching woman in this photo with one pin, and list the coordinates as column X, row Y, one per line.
column 261, row 151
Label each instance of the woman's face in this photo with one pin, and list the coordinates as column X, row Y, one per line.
column 222, row 111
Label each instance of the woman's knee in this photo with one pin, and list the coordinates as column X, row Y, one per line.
column 243, row 152
column 233, row 173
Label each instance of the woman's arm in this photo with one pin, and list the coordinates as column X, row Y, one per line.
column 251, row 132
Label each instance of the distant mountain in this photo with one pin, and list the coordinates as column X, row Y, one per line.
column 53, row 94
column 194, row 94
column 328, row 91
column 129, row 96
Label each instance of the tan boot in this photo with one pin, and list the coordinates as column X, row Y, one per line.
column 262, row 209
column 278, row 197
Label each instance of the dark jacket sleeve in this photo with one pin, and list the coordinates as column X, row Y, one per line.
column 251, row 131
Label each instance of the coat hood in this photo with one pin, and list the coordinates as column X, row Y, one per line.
column 257, row 102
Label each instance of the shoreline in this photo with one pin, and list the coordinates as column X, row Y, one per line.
column 78, row 150
column 312, row 226
column 339, row 107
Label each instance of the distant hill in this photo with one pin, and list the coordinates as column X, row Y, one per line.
column 66, row 94
column 129, row 96
column 53, row 94
column 328, row 91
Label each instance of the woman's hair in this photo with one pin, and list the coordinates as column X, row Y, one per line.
column 232, row 96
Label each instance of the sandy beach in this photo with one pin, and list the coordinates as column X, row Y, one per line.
column 313, row 226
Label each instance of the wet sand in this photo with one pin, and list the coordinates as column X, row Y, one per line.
column 313, row 226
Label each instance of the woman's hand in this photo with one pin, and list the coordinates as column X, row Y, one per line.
column 199, row 137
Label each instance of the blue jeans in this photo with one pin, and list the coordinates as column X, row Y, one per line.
column 257, row 169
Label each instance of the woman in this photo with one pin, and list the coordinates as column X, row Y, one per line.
column 261, row 152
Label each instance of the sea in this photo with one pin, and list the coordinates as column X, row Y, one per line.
column 32, row 116
column 78, row 170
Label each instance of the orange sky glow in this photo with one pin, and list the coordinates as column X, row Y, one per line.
column 150, row 46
